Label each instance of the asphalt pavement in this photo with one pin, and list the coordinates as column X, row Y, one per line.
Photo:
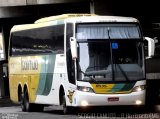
column 6, row 102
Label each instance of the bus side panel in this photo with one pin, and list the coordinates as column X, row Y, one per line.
column 13, row 88
column 50, row 94
column 42, row 75
column 15, row 77
column 31, row 67
column 24, row 71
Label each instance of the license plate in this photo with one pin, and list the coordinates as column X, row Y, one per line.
column 113, row 99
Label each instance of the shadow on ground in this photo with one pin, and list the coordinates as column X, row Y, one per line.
column 6, row 102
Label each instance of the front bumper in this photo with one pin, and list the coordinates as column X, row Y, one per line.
column 91, row 99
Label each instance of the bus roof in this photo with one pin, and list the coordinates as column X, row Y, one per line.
column 47, row 21
column 73, row 18
column 87, row 18
column 61, row 17
column 102, row 19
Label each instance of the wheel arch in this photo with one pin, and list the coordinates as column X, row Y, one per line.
column 20, row 90
column 25, row 88
column 61, row 93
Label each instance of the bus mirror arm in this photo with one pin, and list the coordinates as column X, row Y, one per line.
column 73, row 46
column 151, row 46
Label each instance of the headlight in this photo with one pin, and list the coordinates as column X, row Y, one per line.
column 139, row 88
column 138, row 102
column 85, row 89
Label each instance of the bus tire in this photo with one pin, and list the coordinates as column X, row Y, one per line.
column 22, row 102
column 66, row 109
column 27, row 105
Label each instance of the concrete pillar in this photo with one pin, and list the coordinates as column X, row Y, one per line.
column 92, row 9
column 100, row 7
column 1, row 47
column 2, row 92
column 5, row 36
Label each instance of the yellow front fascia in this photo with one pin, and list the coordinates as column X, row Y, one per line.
column 107, row 89
column 102, row 88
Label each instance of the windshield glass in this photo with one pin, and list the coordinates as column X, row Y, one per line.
column 107, row 31
column 107, row 59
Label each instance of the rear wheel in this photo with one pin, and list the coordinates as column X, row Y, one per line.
column 27, row 105
column 21, row 101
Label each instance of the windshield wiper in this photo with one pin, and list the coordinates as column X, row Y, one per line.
column 124, row 74
column 89, row 77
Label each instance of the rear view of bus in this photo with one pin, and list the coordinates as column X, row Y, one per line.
column 105, row 55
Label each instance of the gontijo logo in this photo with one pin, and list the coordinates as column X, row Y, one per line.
column 29, row 64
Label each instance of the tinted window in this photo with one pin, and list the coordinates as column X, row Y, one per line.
column 39, row 40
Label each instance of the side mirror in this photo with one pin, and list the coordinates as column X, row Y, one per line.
column 151, row 46
column 73, row 46
column 155, row 40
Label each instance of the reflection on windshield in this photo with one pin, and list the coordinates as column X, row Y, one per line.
column 95, row 61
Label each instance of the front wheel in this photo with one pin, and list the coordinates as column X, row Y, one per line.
column 66, row 109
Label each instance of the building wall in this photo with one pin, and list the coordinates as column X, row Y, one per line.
column 34, row 2
column 12, row 2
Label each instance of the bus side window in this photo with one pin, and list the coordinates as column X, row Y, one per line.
column 57, row 39
column 38, row 41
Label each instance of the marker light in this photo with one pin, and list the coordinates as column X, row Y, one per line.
column 84, row 103
column 138, row 102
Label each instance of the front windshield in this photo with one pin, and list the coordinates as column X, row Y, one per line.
column 110, row 60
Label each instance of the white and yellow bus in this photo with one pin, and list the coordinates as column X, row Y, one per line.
column 77, row 60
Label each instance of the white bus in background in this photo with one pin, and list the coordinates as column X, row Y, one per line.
column 153, row 72
column 77, row 60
